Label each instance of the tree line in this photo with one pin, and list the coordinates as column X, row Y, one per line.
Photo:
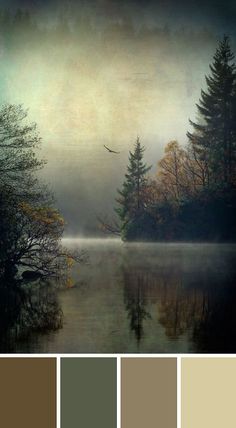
column 193, row 195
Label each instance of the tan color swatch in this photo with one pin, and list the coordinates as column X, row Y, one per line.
column 148, row 393
column 208, row 392
column 28, row 392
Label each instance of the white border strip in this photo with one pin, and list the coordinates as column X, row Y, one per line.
column 114, row 355
column 179, row 392
column 58, row 423
column 118, row 391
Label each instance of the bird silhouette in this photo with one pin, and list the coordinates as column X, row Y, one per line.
column 111, row 151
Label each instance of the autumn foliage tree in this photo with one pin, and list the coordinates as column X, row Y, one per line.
column 31, row 228
column 180, row 174
column 183, row 206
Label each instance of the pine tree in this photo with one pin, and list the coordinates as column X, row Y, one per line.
column 214, row 137
column 132, row 196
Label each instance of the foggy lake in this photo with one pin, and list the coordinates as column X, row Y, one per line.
column 147, row 298
column 109, row 124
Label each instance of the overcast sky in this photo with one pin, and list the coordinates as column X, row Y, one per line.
column 108, row 89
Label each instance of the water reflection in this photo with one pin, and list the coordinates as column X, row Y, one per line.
column 192, row 295
column 148, row 298
column 136, row 302
column 26, row 308
column 215, row 330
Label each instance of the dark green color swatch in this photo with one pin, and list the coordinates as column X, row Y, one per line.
column 88, row 392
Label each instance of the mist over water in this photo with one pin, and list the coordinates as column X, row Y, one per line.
column 152, row 298
column 103, row 72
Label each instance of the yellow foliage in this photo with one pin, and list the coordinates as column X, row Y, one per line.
column 43, row 215
column 70, row 283
column 70, row 261
column 172, row 146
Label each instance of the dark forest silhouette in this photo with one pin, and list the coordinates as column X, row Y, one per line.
column 193, row 196
column 30, row 226
column 31, row 254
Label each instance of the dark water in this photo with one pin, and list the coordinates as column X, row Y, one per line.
column 147, row 298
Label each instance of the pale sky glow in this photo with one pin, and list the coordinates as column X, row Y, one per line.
column 85, row 93
column 79, row 100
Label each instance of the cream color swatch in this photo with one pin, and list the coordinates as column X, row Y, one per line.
column 208, row 393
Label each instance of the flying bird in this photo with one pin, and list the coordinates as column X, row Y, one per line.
column 111, row 151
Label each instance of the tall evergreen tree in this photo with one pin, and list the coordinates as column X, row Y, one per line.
column 214, row 137
column 131, row 198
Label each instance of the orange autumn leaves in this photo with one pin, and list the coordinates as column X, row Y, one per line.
column 180, row 173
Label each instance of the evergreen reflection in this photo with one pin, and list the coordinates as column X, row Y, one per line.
column 135, row 302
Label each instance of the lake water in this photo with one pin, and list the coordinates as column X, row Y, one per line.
column 148, row 298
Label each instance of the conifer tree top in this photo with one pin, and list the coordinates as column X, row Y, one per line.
column 213, row 138
column 136, row 166
column 219, row 88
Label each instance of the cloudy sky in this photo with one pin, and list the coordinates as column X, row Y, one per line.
column 129, row 68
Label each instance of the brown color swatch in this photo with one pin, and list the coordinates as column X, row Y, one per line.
column 208, row 392
column 28, row 392
column 148, row 392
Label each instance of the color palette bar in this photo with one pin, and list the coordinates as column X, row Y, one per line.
column 152, row 392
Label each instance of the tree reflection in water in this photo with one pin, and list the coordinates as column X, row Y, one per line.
column 135, row 302
column 198, row 304
column 177, row 298
column 26, row 308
